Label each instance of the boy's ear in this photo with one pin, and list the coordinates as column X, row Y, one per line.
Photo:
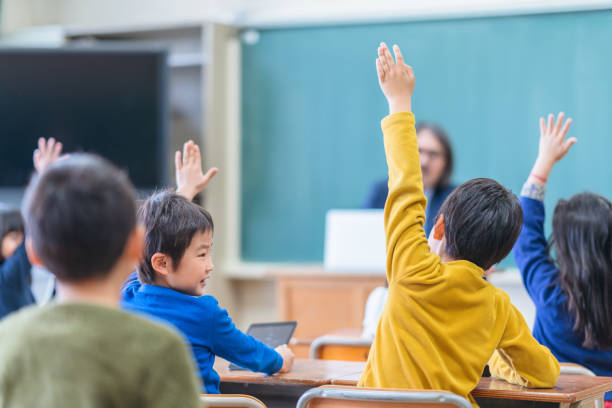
column 32, row 255
column 161, row 263
column 439, row 228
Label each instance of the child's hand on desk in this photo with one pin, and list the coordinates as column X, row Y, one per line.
column 48, row 152
column 190, row 179
column 553, row 146
column 396, row 79
column 287, row 356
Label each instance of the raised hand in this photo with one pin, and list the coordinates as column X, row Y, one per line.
column 396, row 79
column 190, row 178
column 48, row 152
column 553, row 146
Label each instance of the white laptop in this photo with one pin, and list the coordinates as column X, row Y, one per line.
column 355, row 241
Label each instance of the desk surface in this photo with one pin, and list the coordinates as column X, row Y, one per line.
column 304, row 372
column 569, row 388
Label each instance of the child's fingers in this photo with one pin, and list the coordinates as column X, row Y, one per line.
column 58, row 149
column 41, row 144
column 178, row 163
column 542, row 126
column 549, row 127
column 566, row 128
column 559, row 122
column 398, row 55
column 389, row 57
column 379, row 70
column 568, row 144
column 197, row 157
column 36, row 157
column 382, row 59
column 186, row 152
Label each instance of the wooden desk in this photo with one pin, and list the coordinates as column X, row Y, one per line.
column 570, row 391
column 283, row 390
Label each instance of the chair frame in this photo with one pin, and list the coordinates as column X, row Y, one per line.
column 576, row 369
column 382, row 395
column 319, row 342
column 230, row 400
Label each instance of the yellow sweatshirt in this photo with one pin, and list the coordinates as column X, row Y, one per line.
column 442, row 321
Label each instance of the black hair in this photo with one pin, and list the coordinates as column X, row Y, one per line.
column 79, row 214
column 444, row 140
column 170, row 221
column 482, row 221
column 10, row 221
column 582, row 241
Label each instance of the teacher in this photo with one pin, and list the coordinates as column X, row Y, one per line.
column 436, row 157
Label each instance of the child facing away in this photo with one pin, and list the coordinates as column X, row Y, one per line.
column 442, row 321
column 573, row 296
column 171, row 279
column 81, row 224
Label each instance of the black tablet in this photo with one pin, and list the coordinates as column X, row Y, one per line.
column 272, row 334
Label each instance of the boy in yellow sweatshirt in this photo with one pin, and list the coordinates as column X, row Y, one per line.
column 442, row 321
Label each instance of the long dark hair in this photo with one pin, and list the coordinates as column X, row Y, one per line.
column 582, row 240
column 442, row 137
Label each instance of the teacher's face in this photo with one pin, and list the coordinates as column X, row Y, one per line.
column 433, row 160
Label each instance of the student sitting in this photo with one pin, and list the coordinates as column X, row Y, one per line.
column 573, row 297
column 170, row 286
column 83, row 351
column 443, row 321
column 16, row 280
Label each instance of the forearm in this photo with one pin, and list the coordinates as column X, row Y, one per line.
column 406, row 241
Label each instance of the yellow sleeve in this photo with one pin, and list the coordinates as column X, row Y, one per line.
column 408, row 252
column 520, row 359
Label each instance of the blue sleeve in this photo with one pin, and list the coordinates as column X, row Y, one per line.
column 15, row 271
column 241, row 349
column 531, row 254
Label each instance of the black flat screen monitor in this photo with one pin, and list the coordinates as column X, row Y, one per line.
column 106, row 101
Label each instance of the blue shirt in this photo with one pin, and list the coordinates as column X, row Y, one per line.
column 15, row 291
column 208, row 329
column 553, row 323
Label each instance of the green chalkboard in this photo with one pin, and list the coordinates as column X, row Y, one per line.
column 312, row 109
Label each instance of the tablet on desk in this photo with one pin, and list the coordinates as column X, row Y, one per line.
column 271, row 334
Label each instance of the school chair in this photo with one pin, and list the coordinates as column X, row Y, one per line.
column 337, row 396
column 230, row 400
column 340, row 348
column 576, row 369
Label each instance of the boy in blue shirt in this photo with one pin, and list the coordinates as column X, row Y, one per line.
column 170, row 286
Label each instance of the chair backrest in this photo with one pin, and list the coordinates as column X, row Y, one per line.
column 343, row 397
column 340, row 348
column 576, row 369
column 230, row 401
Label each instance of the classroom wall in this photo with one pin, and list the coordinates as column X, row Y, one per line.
column 254, row 298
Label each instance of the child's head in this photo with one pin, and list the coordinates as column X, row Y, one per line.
column 81, row 220
column 582, row 240
column 480, row 221
column 11, row 231
column 178, row 241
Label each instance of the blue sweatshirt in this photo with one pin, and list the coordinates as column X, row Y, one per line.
column 553, row 323
column 208, row 329
column 15, row 285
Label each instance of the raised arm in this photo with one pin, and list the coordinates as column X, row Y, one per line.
column 408, row 253
column 190, row 178
column 531, row 251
